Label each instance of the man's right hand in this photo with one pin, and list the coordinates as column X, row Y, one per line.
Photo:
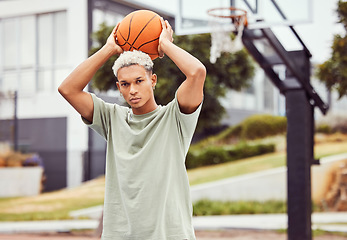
column 112, row 41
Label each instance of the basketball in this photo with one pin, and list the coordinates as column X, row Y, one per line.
column 140, row 30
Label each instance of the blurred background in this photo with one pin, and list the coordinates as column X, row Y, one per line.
column 42, row 41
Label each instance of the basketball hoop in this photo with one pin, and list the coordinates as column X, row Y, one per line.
column 223, row 21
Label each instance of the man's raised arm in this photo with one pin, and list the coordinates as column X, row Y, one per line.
column 190, row 93
column 72, row 87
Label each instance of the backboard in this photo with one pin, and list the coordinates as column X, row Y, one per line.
column 192, row 17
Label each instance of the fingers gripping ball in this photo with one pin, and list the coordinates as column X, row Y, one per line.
column 140, row 30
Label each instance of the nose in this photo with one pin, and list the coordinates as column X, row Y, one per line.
column 133, row 89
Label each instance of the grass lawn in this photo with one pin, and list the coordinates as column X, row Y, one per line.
column 263, row 162
column 54, row 205
column 58, row 204
column 236, row 168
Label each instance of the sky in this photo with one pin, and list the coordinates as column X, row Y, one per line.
column 317, row 35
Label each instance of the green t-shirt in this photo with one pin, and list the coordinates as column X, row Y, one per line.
column 147, row 194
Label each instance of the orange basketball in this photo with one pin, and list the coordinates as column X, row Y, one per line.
column 140, row 30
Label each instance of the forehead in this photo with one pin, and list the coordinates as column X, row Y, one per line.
column 131, row 72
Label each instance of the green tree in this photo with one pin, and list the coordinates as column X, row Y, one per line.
column 104, row 78
column 231, row 71
column 333, row 72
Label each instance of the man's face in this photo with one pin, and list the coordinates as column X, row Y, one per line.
column 136, row 85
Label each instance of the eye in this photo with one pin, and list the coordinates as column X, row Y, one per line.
column 139, row 81
column 124, row 84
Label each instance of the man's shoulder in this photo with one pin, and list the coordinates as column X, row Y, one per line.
column 169, row 106
column 110, row 102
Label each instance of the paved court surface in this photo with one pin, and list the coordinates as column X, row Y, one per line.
column 235, row 234
column 236, row 227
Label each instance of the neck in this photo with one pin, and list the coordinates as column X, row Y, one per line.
column 147, row 108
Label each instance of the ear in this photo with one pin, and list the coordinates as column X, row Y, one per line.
column 154, row 79
column 117, row 83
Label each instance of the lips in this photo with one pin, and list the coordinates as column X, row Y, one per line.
column 135, row 100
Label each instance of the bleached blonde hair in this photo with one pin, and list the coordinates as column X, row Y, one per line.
column 128, row 58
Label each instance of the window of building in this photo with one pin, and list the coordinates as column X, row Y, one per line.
column 32, row 52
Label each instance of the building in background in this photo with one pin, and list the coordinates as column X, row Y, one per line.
column 41, row 42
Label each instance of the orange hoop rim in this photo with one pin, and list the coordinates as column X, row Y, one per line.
column 235, row 17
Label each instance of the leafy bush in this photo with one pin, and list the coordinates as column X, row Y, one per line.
column 253, row 127
column 324, row 128
column 259, row 126
column 332, row 123
column 218, row 149
column 222, row 154
column 231, row 132
column 207, row 207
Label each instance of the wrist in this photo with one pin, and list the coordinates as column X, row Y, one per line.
column 163, row 47
column 109, row 49
column 164, row 43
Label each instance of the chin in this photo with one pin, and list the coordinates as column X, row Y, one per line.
column 136, row 105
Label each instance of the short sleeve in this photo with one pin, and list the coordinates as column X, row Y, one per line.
column 101, row 117
column 187, row 122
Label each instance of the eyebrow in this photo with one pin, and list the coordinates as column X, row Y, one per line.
column 125, row 81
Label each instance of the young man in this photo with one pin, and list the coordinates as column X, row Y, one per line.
column 147, row 193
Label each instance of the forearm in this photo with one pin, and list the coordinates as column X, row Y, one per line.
column 190, row 92
column 78, row 79
column 72, row 87
column 190, row 66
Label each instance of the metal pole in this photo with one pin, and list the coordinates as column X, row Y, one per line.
column 87, row 165
column 300, row 120
column 15, row 118
column 299, row 165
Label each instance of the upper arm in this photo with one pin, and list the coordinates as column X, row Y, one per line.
column 190, row 94
column 82, row 102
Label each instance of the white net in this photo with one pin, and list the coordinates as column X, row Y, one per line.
column 221, row 40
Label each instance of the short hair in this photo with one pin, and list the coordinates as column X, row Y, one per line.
column 128, row 58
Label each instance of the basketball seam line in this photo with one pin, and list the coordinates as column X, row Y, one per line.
column 141, row 31
column 147, row 43
column 123, row 39
column 127, row 40
column 131, row 19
